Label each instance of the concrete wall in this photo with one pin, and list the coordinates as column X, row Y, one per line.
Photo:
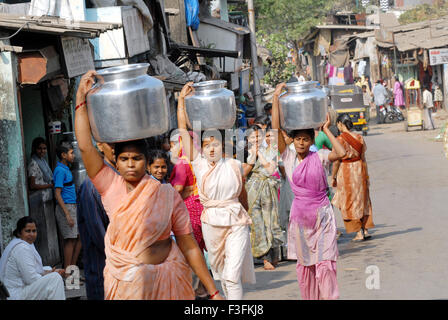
column 12, row 171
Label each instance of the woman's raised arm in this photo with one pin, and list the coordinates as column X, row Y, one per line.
column 276, row 116
column 182, row 120
column 90, row 155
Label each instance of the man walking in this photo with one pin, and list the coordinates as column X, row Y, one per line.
column 427, row 108
column 380, row 96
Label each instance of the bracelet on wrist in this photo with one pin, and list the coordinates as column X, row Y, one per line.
column 80, row 105
column 213, row 295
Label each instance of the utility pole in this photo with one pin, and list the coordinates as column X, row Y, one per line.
column 253, row 49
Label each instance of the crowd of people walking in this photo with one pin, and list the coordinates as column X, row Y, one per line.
column 150, row 222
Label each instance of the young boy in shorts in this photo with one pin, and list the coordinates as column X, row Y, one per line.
column 65, row 194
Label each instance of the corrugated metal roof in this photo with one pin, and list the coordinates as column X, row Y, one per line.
column 426, row 34
column 55, row 25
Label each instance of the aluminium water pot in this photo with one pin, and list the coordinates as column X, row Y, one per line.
column 127, row 104
column 212, row 105
column 304, row 106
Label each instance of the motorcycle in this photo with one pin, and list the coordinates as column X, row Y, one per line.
column 393, row 114
column 382, row 114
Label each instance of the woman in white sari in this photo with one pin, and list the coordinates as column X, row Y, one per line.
column 225, row 221
column 21, row 269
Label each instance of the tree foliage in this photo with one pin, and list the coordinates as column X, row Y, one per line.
column 292, row 18
column 280, row 69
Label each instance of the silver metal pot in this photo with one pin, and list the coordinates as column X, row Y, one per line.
column 304, row 106
column 127, row 104
column 211, row 104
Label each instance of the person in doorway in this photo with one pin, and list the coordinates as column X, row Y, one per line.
column 158, row 165
column 398, row 94
column 21, row 269
column 65, row 194
column 351, row 178
column 142, row 261
column 92, row 225
column 225, row 221
column 312, row 227
column 380, row 96
column 427, row 108
column 40, row 175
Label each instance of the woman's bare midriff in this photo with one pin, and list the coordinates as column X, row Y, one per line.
column 156, row 253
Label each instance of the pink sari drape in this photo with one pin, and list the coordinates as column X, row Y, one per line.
column 137, row 220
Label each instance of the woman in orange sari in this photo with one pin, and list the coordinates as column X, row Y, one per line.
column 351, row 178
column 142, row 262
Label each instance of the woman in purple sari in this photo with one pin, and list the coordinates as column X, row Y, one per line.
column 312, row 224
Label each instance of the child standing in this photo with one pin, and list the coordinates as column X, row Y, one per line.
column 65, row 195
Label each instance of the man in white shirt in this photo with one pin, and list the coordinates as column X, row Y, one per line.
column 380, row 96
column 427, row 107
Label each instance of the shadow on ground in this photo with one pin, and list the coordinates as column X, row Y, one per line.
column 346, row 246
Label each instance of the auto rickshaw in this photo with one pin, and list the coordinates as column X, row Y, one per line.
column 349, row 99
column 413, row 100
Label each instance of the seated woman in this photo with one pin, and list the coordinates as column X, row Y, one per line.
column 225, row 222
column 21, row 268
column 142, row 261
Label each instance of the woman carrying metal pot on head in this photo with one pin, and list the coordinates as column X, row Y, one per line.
column 312, row 225
column 225, row 222
column 142, row 261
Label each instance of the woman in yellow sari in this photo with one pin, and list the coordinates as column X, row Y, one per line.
column 142, row 262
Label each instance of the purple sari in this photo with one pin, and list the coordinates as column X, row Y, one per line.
column 309, row 185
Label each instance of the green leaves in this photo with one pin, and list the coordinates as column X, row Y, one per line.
column 293, row 18
column 282, row 21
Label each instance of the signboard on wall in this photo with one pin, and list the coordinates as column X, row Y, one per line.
column 438, row 56
column 78, row 56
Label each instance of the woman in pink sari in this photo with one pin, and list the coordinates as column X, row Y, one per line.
column 142, row 261
column 398, row 94
column 184, row 181
column 312, row 225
